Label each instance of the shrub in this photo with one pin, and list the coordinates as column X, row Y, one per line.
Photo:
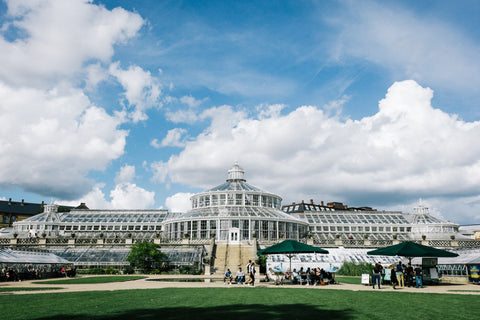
column 128, row 270
column 91, row 271
column 147, row 256
column 188, row 270
column 111, row 270
column 354, row 269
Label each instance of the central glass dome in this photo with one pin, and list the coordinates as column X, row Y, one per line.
column 235, row 204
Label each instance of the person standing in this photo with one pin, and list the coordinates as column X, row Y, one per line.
column 393, row 276
column 377, row 271
column 400, row 277
column 409, row 275
column 418, row 276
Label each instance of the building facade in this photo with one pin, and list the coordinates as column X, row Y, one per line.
column 13, row 211
column 225, row 226
column 235, row 211
column 335, row 221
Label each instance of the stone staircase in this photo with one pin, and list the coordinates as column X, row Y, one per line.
column 233, row 256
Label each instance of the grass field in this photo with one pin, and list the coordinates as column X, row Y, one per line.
column 350, row 280
column 239, row 303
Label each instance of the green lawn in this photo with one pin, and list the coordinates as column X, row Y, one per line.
column 349, row 280
column 88, row 280
column 244, row 303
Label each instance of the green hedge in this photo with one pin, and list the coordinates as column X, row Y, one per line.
column 107, row 270
column 355, row 269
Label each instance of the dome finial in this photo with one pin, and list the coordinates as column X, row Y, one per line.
column 236, row 173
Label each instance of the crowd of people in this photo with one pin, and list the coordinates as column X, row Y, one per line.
column 309, row 276
column 28, row 272
column 400, row 275
column 242, row 277
column 8, row 274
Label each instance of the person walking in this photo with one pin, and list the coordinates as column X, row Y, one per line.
column 247, row 272
column 252, row 274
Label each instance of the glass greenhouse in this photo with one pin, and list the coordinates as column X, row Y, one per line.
column 235, row 211
column 88, row 223
column 336, row 221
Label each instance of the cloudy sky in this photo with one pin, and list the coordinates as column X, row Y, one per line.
column 139, row 104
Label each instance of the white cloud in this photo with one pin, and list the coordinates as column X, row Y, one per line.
column 125, row 175
column 179, row 202
column 407, row 150
column 189, row 115
column 53, row 134
column 95, row 199
column 191, row 101
column 174, row 138
column 60, row 36
column 335, row 108
column 125, row 195
column 130, row 196
column 160, row 171
column 95, row 74
column 419, row 47
column 154, row 143
column 182, row 116
column 142, row 91
column 53, row 139
column 222, row 119
column 270, row 111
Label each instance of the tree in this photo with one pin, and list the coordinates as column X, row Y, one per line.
column 262, row 262
column 146, row 256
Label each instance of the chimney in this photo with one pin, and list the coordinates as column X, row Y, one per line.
column 22, row 203
column 303, row 202
column 311, row 201
column 321, row 203
column 293, row 203
column 9, row 201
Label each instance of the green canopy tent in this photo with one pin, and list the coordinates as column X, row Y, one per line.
column 411, row 249
column 291, row 247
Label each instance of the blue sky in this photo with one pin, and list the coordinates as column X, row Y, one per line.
column 139, row 104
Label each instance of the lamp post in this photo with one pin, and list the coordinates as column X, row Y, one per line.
column 9, row 212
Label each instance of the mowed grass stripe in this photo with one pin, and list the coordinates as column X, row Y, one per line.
column 240, row 303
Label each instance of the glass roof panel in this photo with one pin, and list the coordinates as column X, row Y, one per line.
column 234, row 186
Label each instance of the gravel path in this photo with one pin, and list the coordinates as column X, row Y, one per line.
column 148, row 283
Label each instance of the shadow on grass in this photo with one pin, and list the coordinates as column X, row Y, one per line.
column 230, row 312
